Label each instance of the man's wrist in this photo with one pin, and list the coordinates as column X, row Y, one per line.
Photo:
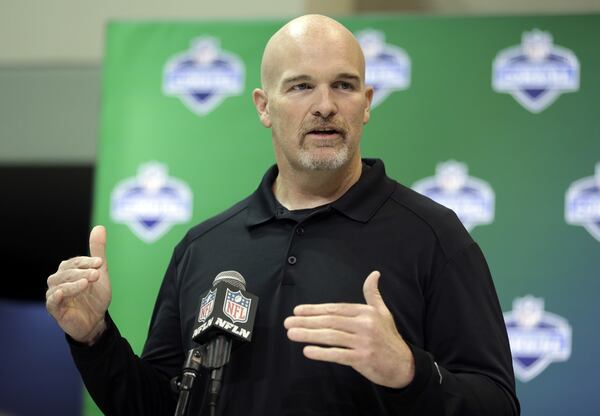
column 96, row 333
column 405, row 372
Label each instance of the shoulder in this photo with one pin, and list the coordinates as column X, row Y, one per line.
column 435, row 218
column 232, row 214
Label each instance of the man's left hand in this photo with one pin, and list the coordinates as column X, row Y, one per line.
column 361, row 336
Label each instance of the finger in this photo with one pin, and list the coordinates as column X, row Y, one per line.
column 68, row 289
column 341, row 309
column 342, row 356
column 371, row 292
column 81, row 262
column 71, row 275
column 98, row 243
column 53, row 302
column 340, row 323
column 329, row 337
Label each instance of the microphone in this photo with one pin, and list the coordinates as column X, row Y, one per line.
column 226, row 314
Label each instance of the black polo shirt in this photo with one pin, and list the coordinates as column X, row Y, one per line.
column 434, row 280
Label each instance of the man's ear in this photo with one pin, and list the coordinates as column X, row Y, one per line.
column 261, row 101
column 369, row 96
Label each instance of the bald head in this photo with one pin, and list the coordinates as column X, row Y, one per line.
column 305, row 35
column 314, row 98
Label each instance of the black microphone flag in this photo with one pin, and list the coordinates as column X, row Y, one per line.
column 227, row 309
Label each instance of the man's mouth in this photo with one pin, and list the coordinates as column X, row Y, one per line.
column 325, row 132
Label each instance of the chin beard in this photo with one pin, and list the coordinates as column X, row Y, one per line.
column 314, row 161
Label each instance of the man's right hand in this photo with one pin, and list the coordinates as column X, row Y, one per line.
column 79, row 292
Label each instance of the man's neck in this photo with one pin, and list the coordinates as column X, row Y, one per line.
column 309, row 189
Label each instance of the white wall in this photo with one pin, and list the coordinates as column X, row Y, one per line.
column 71, row 31
column 515, row 6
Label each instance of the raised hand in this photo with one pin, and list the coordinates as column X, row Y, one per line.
column 363, row 336
column 79, row 292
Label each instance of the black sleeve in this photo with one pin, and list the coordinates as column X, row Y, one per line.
column 465, row 366
column 122, row 383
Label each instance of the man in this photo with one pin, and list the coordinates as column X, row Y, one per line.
column 374, row 299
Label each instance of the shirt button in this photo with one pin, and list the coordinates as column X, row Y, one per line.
column 292, row 260
column 300, row 230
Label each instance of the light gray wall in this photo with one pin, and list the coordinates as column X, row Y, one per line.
column 49, row 115
column 71, row 31
column 514, row 6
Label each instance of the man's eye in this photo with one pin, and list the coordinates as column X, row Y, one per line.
column 343, row 85
column 301, row 87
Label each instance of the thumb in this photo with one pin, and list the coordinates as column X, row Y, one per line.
column 371, row 291
column 98, row 244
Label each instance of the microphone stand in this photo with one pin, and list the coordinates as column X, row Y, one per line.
column 212, row 356
column 185, row 382
column 217, row 355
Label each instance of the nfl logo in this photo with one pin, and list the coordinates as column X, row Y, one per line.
column 537, row 338
column 387, row 67
column 206, row 305
column 204, row 76
column 152, row 202
column 472, row 199
column 536, row 72
column 582, row 203
column 236, row 306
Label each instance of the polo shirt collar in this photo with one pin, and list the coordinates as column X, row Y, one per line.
column 359, row 203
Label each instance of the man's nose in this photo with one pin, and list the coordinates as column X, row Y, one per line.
column 325, row 105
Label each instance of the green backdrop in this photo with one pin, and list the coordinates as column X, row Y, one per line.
column 448, row 112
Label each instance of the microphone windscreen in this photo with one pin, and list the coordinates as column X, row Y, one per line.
column 232, row 277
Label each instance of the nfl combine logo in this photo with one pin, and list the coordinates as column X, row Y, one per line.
column 236, row 306
column 470, row 198
column 537, row 338
column 387, row 66
column 582, row 203
column 206, row 305
column 536, row 72
column 152, row 202
column 204, row 76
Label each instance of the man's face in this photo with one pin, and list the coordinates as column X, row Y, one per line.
column 316, row 104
